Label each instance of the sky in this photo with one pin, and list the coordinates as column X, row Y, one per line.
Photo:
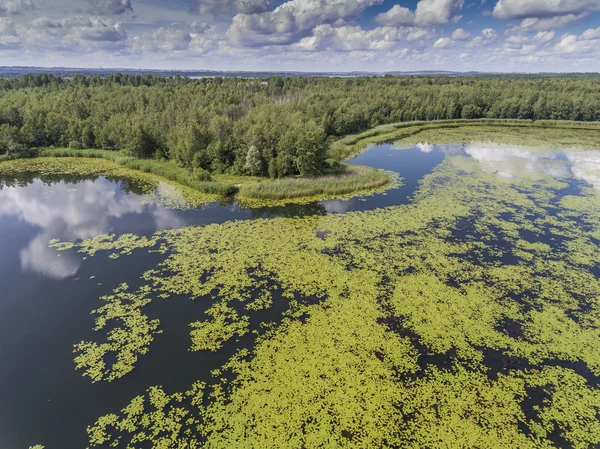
column 304, row 35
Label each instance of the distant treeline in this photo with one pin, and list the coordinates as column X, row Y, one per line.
column 275, row 126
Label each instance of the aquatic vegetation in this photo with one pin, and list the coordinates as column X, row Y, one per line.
column 469, row 318
column 518, row 132
column 128, row 339
column 161, row 420
column 226, row 323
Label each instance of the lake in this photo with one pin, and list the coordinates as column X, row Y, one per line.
column 516, row 248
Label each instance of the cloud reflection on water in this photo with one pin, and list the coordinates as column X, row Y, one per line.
column 512, row 161
column 71, row 211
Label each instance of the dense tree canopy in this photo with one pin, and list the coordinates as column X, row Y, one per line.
column 276, row 126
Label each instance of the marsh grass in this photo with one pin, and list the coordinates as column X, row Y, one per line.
column 165, row 169
column 355, row 179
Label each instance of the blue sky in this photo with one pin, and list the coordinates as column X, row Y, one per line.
column 305, row 35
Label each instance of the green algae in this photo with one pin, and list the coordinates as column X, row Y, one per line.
column 469, row 318
column 509, row 135
column 517, row 132
column 128, row 339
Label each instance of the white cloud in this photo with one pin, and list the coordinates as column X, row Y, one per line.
column 15, row 7
column 548, row 23
column 110, row 7
column 241, row 6
column 570, row 44
column 198, row 38
column 8, row 34
column 444, row 43
column 292, row 20
column 396, row 16
column 427, row 13
column 543, row 37
column 591, row 34
column 519, row 9
column 77, row 33
column 354, row 38
column 437, row 12
column 517, row 40
column 461, row 35
column 487, row 37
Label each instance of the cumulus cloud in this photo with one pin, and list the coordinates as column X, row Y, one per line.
column 591, row 34
column 543, row 37
column 15, row 7
column 354, row 38
column 444, row 43
column 540, row 48
column 548, row 23
column 570, row 44
column 224, row 6
column 74, row 33
column 198, row 38
column 437, row 12
column 461, row 35
column 487, row 37
column 8, row 34
column 292, row 20
column 428, row 12
column 396, row 16
column 519, row 9
column 110, row 7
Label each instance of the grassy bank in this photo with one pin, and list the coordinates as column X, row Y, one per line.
column 154, row 188
column 165, row 169
column 355, row 179
column 467, row 130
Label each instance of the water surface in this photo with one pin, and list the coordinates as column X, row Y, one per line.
column 47, row 296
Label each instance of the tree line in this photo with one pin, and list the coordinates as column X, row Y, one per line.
column 270, row 127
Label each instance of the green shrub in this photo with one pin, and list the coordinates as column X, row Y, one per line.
column 201, row 175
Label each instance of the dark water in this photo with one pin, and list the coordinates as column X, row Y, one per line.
column 45, row 300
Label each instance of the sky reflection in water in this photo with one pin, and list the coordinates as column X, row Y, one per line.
column 72, row 211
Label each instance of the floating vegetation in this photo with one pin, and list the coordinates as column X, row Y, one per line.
column 129, row 338
column 469, row 318
column 517, row 132
column 161, row 420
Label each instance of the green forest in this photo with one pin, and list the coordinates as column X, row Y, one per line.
column 274, row 127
